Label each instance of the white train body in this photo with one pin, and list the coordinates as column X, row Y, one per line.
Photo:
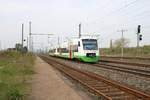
column 84, row 49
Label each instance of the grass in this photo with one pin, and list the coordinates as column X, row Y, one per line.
column 16, row 70
column 132, row 51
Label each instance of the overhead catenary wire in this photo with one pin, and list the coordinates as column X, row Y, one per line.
column 102, row 19
column 138, row 17
column 115, row 11
column 134, row 27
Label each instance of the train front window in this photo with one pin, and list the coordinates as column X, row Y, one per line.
column 89, row 44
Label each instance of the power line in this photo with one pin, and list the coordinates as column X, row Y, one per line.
column 136, row 16
column 139, row 18
column 118, row 10
column 127, row 5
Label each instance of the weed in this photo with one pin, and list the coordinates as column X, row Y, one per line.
column 15, row 94
column 15, row 69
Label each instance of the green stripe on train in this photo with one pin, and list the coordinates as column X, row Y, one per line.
column 88, row 59
column 81, row 58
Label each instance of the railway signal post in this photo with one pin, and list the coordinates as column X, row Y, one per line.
column 139, row 36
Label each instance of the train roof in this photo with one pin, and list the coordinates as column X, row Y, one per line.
column 86, row 36
column 75, row 40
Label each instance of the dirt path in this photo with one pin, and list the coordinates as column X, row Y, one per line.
column 47, row 85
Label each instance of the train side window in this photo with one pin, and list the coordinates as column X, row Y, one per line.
column 79, row 43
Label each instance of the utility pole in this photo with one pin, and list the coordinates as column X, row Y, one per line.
column 27, row 43
column 122, row 40
column 22, row 34
column 30, row 42
column 58, row 41
column 79, row 30
column 31, row 38
column 32, row 49
column 111, row 44
column 137, row 41
column 58, row 46
column 0, row 45
column 48, row 44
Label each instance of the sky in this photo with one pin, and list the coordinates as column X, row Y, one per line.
column 62, row 17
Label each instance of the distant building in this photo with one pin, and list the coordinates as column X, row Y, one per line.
column 11, row 49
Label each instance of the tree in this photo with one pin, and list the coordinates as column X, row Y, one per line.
column 18, row 46
column 121, row 42
column 24, row 50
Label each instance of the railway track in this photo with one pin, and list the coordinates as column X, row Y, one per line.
column 126, row 63
column 111, row 65
column 105, row 89
column 118, row 57
column 135, row 71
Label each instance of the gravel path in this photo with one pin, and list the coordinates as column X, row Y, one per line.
column 47, row 85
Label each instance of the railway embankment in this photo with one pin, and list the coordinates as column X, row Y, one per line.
column 16, row 70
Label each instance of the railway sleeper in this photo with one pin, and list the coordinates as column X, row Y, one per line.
column 118, row 93
column 95, row 83
column 87, row 80
column 125, row 97
column 91, row 81
column 98, row 85
column 103, row 88
column 78, row 76
column 110, row 90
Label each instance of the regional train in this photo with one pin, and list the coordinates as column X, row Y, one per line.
column 84, row 49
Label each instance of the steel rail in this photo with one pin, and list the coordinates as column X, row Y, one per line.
column 139, row 72
column 75, row 78
column 140, row 58
column 125, row 90
column 126, row 63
